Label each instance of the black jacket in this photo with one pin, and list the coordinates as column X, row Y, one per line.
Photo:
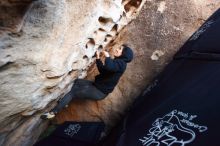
column 111, row 72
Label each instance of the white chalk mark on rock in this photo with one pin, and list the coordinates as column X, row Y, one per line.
column 156, row 54
column 161, row 7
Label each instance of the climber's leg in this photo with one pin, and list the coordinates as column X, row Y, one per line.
column 84, row 89
column 78, row 85
column 76, row 91
column 82, row 82
column 89, row 92
column 61, row 104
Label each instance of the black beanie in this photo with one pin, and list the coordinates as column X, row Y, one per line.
column 127, row 54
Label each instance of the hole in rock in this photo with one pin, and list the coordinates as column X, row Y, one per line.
column 108, row 37
column 114, row 29
column 111, row 43
column 12, row 14
column 85, row 57
column 6, row 66
column 133, row 3
column 99, row 31
column 99, row 35
column 100, row 47
column 90, row 44
column 102, row 30
column 105, row 21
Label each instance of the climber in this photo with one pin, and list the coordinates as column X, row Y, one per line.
column 109, row 75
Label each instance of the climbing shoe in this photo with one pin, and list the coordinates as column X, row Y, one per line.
column 49, row 115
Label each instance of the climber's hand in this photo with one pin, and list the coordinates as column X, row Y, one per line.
column 106, row 53
column 97, row 54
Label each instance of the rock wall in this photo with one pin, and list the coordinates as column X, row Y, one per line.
column 44, row 46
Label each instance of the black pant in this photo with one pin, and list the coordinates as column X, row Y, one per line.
column 82, row 89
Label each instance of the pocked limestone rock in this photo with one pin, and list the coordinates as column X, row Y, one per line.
column 44, row 46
